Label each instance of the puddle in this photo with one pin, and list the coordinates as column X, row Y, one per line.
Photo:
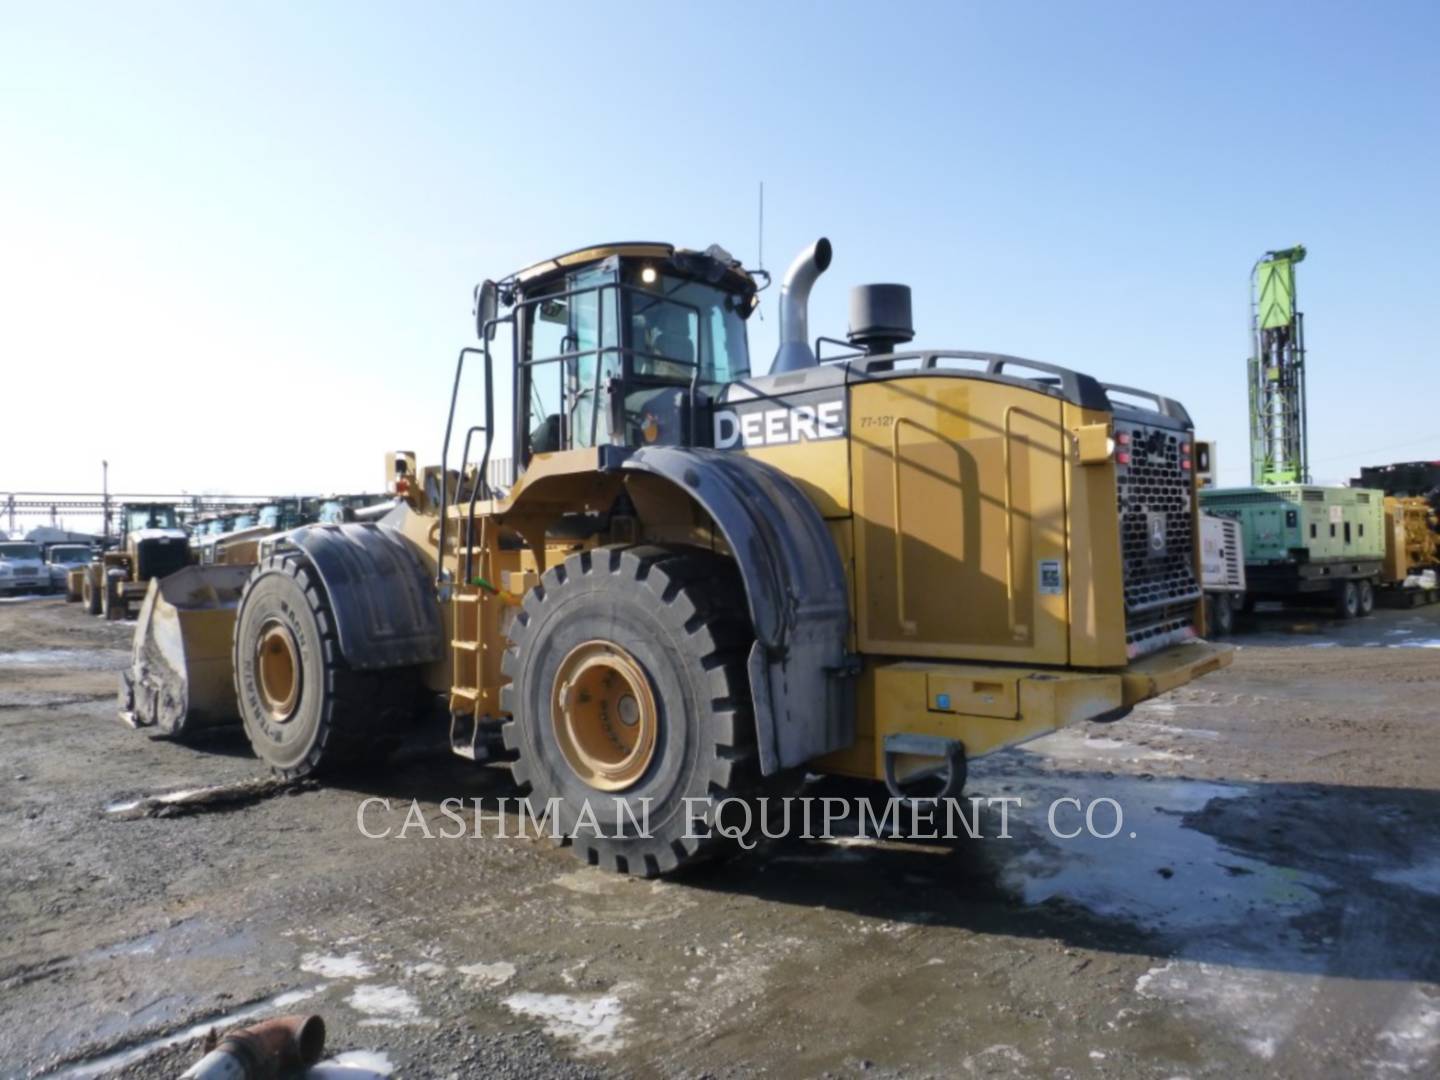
column 593, row 1023
column 1155, row 872
column 349, row 966
column 1422, row 875
column 85, row 659
column 352, row 1065
column 1072, row 744
column 120, row 1059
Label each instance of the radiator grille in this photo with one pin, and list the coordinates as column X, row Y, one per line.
column 1157, row 541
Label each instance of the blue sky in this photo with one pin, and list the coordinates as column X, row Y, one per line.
column 239, row 240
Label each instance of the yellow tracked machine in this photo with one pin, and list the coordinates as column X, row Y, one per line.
column 702, row 580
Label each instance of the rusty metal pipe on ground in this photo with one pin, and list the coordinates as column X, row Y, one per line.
column 263, row 1051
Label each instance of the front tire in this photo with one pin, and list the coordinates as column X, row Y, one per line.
column 628, row 683
column 90, row 593
column 304, row 709
column 1367, row 597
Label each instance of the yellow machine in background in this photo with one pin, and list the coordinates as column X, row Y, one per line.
column 1412, row 543
column 704, row 580
column 152, row 544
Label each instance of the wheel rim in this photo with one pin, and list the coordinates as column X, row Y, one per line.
column 604, row 715
column 277, row 665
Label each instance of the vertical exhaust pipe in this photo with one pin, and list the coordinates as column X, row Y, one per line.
column 794, row 352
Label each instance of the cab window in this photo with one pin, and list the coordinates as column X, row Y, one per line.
column 576, row 321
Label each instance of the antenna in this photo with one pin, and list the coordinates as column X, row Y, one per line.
column 760, row 244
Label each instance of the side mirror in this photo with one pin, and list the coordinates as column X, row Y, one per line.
column 487, row 306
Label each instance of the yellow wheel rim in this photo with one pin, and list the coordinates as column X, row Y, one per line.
column 604, row 714
column 277, row 663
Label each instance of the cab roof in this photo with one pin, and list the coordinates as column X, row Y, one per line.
column 634, row 249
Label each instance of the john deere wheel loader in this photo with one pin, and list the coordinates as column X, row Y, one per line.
column 702, row 580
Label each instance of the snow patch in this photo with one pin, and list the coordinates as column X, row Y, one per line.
column 386, row 1003
column 352, row 1065
column 592, row 1022
column 1408, row 1046
column 1261, row 1007
column 350, row 966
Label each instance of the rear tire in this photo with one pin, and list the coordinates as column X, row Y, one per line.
column 1367, row 597
column 670, row 634
column 1347, row 600
column 304, row 709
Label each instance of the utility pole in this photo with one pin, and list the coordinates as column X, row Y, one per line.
column 105, row 498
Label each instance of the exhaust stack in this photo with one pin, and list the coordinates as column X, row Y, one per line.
column 794, row 352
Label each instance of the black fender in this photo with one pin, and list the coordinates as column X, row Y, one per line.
column 795, row 588
column 384, row 604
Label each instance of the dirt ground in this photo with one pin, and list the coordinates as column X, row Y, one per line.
column 1269, row 907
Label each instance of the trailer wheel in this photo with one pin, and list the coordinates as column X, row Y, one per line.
column 1367, row 597
column 1347, row 600
column 303, row 707
column 628, row 691
column 90, row 594
column 1224, row 615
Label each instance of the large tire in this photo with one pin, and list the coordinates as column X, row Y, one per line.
column 91, row 594
column 1367, row 597
column 671, row 626
column 304, row 709
column 1347, row 600
column 112, row 604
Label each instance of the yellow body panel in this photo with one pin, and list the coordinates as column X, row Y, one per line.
column 959, row 513
column 991, row 707
column 821, row 468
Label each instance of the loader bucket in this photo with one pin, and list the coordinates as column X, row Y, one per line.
column 181, row 676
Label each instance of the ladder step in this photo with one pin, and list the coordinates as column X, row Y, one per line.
column 468, row 646
column 472, row 693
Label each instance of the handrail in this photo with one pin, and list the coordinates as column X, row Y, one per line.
column 486, row 331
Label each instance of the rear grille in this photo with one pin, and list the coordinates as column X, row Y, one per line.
column 1157, row 542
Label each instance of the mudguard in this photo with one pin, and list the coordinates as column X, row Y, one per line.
column 385, row 610
column 795, row 587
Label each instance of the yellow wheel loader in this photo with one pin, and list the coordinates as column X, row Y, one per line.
column 152, row 545
column 882, row 564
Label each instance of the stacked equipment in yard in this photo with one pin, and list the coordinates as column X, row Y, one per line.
column 1308, row 542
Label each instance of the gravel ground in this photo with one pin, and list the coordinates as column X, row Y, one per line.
column 1268, row 907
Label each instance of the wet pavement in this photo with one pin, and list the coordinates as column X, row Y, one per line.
column 1264, row 907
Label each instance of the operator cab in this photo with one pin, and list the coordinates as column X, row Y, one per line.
column 153, row 516
column 625, row 344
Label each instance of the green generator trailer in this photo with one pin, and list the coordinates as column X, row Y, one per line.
column 1308, row 542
